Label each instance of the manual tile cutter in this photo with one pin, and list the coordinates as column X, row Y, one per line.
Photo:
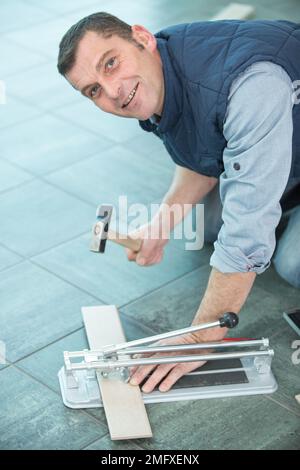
column 242, row 368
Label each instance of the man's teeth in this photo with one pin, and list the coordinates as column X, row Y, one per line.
column 130, row 97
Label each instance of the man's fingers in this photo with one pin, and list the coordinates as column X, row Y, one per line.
column 131, row 255
column 143, row 260
column 156, row 376
column 140, row 374
column 175, row 374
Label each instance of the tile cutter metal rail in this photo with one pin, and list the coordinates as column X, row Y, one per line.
column 250, row 375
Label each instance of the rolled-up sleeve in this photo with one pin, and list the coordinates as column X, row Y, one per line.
column 258, row 128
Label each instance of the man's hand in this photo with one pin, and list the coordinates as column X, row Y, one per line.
column 152, row 249
column 187, row 188
column 169, row 373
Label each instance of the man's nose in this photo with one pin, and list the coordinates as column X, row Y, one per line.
column 112, row 90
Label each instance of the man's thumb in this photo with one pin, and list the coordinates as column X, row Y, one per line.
column 131, row 255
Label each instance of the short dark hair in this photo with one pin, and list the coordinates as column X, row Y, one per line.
column 102, row 23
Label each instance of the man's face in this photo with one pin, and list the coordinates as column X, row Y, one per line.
column 119, row 77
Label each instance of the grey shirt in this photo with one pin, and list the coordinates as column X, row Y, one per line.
column 258, row 127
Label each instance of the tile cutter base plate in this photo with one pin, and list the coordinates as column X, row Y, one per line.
column 217, row 384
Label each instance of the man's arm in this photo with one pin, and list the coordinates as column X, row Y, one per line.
column 224, row 293
column 187, row 188
column 258, row 130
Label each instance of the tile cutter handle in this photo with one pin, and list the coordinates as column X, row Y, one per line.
column 228, row 320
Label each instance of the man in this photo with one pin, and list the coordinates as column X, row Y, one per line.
column 221, row 96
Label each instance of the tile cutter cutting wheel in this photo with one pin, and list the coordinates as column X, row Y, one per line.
column 241, row 368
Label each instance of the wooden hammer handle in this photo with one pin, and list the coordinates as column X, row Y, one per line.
column 125, row 240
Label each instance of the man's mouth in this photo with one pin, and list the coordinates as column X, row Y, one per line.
column 130, row 96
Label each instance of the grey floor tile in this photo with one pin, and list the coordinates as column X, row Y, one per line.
column 37, row 308
column 287, row 296
column 261, row 314
column 45, row 363
column 33, row 417
column 286, row 345
column 276, row 10
column 19, row 14
column 11, row 176
column 38, row 217
column 8, row 258
column 16, row 59
column 47, row 144
column 141, row 12
column 43, row 87
column 289, row 441
column 15, row 111
column 228, row 423
column 149, row 144
column 87, row 115
column 96, row 180
column 3, row 359
column 57, row 6
column 49, row 34
column 105, row 443
column 173, row 306
column 110, row 276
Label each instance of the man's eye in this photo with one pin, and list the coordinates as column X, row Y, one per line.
column 110, row 64
column 94, row 91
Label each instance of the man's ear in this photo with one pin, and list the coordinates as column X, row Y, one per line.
column 141, row 35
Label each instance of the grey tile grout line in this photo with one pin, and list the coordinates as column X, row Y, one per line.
column 17, row 186
column 49, row 112
column 120, row 307
column 282, row 405
column 69, row 193
column 107, row 435
column 23, row 70
column 51, row 343
column 81, row 410
column 27, row 99
column 67, row 281
column 70, row 121
column 64, row 167
column 22, row 121
column 161, row 286
column 9, row 266
column 30, row 257
column 12, row 251
column 58, row 13
column 136, row 323
column 29, row 26
column 48, row 10
column 43, row 176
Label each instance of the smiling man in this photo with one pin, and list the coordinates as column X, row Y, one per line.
column 221, row 97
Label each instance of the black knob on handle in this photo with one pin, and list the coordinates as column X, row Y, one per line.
column 229, row 320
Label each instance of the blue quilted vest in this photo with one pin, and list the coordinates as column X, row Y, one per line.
column 200, row 61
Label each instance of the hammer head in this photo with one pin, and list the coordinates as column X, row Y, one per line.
column 100, row 228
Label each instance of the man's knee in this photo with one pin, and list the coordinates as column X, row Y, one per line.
column 287, row 254
column 287, row 265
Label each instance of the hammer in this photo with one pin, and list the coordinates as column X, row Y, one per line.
column 101, row 232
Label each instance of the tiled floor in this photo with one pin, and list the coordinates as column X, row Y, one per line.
column 59, row 158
